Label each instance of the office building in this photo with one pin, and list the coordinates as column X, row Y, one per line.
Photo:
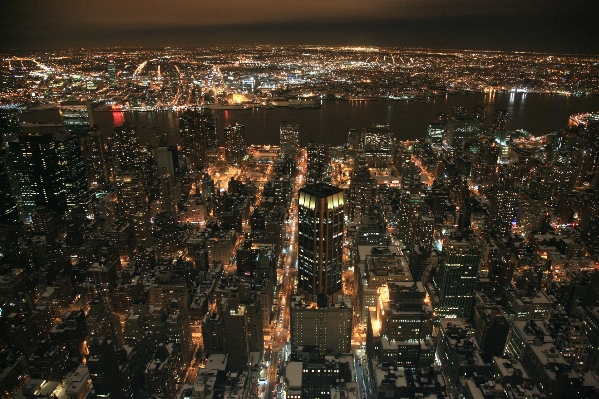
column 103, row 368
column 377, row 143
column 97, row 163
column 362, row 194
column 461, row 130
column 452, row 285
column 131, row 194
column 492, row 328
column 38, row 173
column 435, row 132
column 111, row 74
column 198, row 138
column 73, row 172
column 479, row 112
column 504, row 206
column 319, row 162
column 125, row 149
column 499, row 122
column 289, row 139
column 326, row 326
column 77, row 116
column 235, row 146
column 320, row 226
column 9, row 213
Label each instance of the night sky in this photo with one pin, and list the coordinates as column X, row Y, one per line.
column 561, row 26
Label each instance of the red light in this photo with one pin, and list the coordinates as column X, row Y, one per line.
column 118, row 118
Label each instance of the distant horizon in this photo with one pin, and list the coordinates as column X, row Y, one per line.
column 311, row 46
column 541, row 26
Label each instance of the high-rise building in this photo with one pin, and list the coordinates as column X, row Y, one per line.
column 452, row 287
column 104, row 368
column 362, row 193
column 319, row 162
column 289, row 139
column 500, row 119
column 77, row 116
column 198, row 138
column 504, row 206
column 461, row 129
column 235, row 142
column 131, row 194
column 377, row 143
column 353, row 139
column 38, row 173
column 479, row 113
column 97, row 163
column 125, row 149
column 499, row 122
column 326, row 326
column 320, row 226
column 9, row 213
column 10, row 124
column 459, row 111
column 73, row 171
column 435, row 132
column 111, row 74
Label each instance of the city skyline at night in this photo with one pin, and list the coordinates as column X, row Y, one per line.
column 262, row 199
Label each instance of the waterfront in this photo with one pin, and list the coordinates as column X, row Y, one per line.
column 535, row 112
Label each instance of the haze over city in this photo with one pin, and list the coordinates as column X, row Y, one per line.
column 530, row 25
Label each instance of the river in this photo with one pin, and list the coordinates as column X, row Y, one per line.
column 535, row 112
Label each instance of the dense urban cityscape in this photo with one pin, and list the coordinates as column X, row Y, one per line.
column 248, row 77
column 194, row 263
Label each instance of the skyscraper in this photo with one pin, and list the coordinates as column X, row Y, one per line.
column 321, row 219
column 319, row 162
column 198, row 137
column 97, row 163
column 125, row 149
column 377, row 142
column 8, row 208
column 452, row 286
column 235, row 142
column 10, row 125
column 479, row 113
column 499, row 125
column 289, row 139
column 504, row 206
column 77, row 116
column 461, row 130
column 37, row 173
column 73, row 172
column 111, row 74
column 435, row 132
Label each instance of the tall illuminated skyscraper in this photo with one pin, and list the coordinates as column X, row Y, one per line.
column 504, row 207
column 319, row 162
column 289, row 139
column 198, row 138
column 499, row 125
column 125, row 149
column 235, row 142
column 111, row 74
column 320, row 226
column 73, row 172
column 77, row 116
column 37, row 173
column 377, row 142
column 452, row 285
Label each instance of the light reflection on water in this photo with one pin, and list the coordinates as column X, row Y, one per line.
column 537, row 113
